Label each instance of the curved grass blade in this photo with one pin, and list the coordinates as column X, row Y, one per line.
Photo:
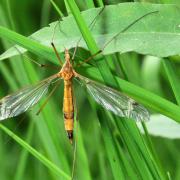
column 36, row 154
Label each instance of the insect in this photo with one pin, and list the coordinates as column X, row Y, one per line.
column 112, row 100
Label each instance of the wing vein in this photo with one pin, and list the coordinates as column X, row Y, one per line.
column 20, row 101
column 114, row 101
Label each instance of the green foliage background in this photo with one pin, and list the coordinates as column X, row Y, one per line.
column 107, row 147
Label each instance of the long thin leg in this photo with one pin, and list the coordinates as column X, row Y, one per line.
column 35, row 62
column 91, row 25
column 47, row 99
column 75, row 152
column 76, row 139
column 127, row 27
column 57, row 54
column 54, row 48
column 54, row 30
column 19, row 123
column 91, row 57
column 42, row 65
column 15, row 128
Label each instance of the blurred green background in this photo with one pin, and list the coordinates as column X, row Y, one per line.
column 46, row 131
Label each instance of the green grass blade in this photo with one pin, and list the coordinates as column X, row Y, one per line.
column 111, row 148
column 84, row 30
column 39, row 156
column 24, row 155
column 109, row 79
column 57, row 8
column 32, row 45
column 173, row 78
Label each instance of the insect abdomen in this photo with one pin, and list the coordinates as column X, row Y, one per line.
column 68, row 109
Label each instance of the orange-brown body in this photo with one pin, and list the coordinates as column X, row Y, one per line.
column 68, row 108
column 67, row 73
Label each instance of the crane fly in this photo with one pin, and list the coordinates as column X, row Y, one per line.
column 112, row 100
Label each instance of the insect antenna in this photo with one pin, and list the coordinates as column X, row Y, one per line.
column 108, row 42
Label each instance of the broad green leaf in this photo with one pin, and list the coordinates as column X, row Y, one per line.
column 151, row 74
column 162, row 126
column 156, row 34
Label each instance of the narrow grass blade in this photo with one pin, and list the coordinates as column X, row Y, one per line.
column 39, row 156
column 173, row 78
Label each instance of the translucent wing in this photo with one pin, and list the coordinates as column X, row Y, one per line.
column 114, row 101
column 20, row 101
